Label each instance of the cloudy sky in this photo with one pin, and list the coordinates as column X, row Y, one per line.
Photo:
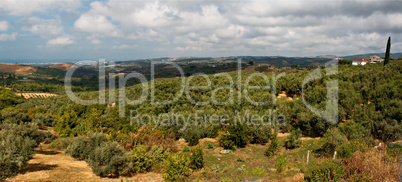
column 124, row 29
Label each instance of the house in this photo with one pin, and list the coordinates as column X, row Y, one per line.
column 360, row 61
column 375, row 59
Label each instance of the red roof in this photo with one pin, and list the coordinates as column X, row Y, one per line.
column 361, row 59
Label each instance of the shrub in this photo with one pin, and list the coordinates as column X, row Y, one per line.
column 293, row 139
column 280, row 164
column 273, row 146
column 148, row 136
column 356, row 131
column 143, row 159
column 347, row 149
column 210, row 145
column 192, row 136
column 47, row 120
column 236, row 136
column 260, row 134
column 334, row 139
column 213, row 132
column 61, row 143
column 15, row 151
column 331, row 170
column 15, row 117
column 109, row 160
column 81, row 147
column 197, row 158
column 177, row 167
column 28, row 130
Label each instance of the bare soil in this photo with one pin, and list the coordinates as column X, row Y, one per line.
column 53, row 165
column 16, row 69
column 62, row 66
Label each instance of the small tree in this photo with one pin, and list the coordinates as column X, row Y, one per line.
column 273, row 146
column 387, row 51
column 293, row 139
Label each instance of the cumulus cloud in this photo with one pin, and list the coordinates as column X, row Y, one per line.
column 95, row 24
column 220, row 28
column 3, row 25
column 8, row 37
column 44, row 27
column 23, row 7
column 60, row 41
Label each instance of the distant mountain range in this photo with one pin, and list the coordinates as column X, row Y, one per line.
column 393, row 55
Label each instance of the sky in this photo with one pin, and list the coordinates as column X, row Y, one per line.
column 127, row 30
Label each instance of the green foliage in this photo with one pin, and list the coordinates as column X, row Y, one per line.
column 144, row 159
column 260, row 134
column 273, row 146
column 347, row 149
column 15, row 117
column 210, row 145
column 7, row 99
column 331, row 170
column 388, row 51
column 345, row 62
column 192, row 136
column 356, row 131
column 106, row 158
column 334, row 139
column 61, row 143
column 43, row 120
column 197, row 158
column 280, row 164
column 109, row 160
column 186, row 148
column 236, row 136
column 16, row 148
column 293, row 140
column 177, row 167
column 29, row 130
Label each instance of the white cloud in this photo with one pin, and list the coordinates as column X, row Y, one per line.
column 124, row 46
column 95, row 24
column 3, row 25
column 27, row 7
column 96, row 41
column 60, row 41
column 8, row 37
column 44, row 28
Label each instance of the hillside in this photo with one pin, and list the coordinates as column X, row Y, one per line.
column 190, row 141
column 16, row 68
column 62, row 66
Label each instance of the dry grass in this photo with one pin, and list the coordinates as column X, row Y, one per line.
column 53, row 165
column 62, row 66
column 373, row 164
column 16, row 69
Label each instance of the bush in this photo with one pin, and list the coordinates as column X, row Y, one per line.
column 43, row 120
column 280, row 164
column 210, row 145
column 334, row 139
column 28, row 130
column 236, row 136
column 143, row 159
column 356, row 131
column 192, row 136
column 347, row 149
column 109, row 160
column 15, row 151
column 61, row 143
column 15, row 117
column 273, row 146
column 197, row 158
column 331, row 170
column 105, row 158
column 293, row 139
column 177, row 167
column 260, row 134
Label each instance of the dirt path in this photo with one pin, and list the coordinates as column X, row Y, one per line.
column 53, row 165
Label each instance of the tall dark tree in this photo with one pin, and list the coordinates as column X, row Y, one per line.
column 387, row 52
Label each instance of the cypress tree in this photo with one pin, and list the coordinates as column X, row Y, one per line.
column 387, row 52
